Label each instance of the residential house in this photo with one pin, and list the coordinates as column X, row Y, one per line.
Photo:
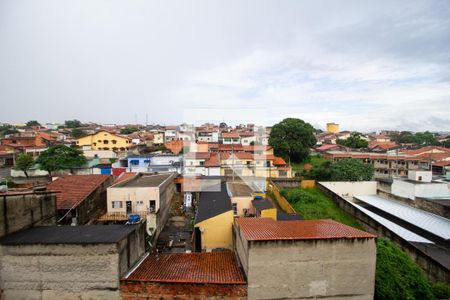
column 154, row 163
column 170, row 133
column 202, row 163
column 158, row 137
column 247, row 138
column 248, row 164
column 186, row 136
column 80, row 198
column 314, row 259
column 231, row 138
column 104, row 140
column 213, row 221
column 145, row 194
column 332, row 127
column 207, row 135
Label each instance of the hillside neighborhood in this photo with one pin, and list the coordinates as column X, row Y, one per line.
column 216, row 211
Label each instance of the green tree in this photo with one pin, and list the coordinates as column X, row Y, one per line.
column 24, row 162
column 77, row 132
column 33, row 123
column 292, row 139
column 397, row 277
column 6, row 129
column 351, row 169
column 128, row 130
column 354, row 141
column 446, row 143
column 72, row 123
column 60, row 157
column 425, row 139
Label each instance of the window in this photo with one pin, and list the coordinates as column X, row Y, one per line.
column 420, row 178
column 99, row 141
column 105, row 142
column 114, row 142
column 139, row 202
column 202, row 163
column 134, row 162
column 117, row 204
column 234, row 205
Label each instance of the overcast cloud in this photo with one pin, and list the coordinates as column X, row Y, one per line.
column 367, row 65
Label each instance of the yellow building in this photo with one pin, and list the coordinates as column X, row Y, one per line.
column 332, row 127
column 214, row 221
column 104, row 140
column 158, row 138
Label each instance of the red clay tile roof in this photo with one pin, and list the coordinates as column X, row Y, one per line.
column 213, row 268
column 326, row 147
column 75, row 188
column 213, row 160
column 382, row 145
column 278, row 161
column 197, row 155
column 231, row 134
column 238, row 155
column 266, row 229
column 124, row 176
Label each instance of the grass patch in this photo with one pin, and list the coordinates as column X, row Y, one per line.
column 314, row 160
column 320, row 207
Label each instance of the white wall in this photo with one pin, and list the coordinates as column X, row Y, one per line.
column 411, row 190
column 426, row 176
column 348, row 189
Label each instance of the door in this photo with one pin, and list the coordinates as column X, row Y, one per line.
column 198, row 239
column 128, row 207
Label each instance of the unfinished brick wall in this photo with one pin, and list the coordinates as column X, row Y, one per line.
column 148, row 290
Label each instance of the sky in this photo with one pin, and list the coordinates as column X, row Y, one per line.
column 367, row 65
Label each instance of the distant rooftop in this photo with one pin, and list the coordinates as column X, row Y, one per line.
column 209, row 268
column 266, row 229
column 90, row 234
column 144, row 180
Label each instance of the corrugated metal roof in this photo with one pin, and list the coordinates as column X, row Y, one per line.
column 212, row 268
column 432, row 223
column 397, row 229
column 266, row 229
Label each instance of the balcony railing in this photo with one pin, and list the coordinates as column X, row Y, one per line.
column 123, row 216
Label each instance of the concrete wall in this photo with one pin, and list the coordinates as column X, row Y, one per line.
column 243, row 203
column 433, row 269
column 411, row 190
column 59, row 271
column 330, row 269
column 27, row 210
column 217, row 231
column 68, row 271
column 350, row 188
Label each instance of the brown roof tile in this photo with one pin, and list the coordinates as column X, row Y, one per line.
column 75, row 188
column 213, row 268
column 266, row 229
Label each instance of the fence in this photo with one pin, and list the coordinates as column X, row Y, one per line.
column 282, row 202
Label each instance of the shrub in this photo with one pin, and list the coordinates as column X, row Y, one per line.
column 441, row 290
column 397, row 277
column 299, row 195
